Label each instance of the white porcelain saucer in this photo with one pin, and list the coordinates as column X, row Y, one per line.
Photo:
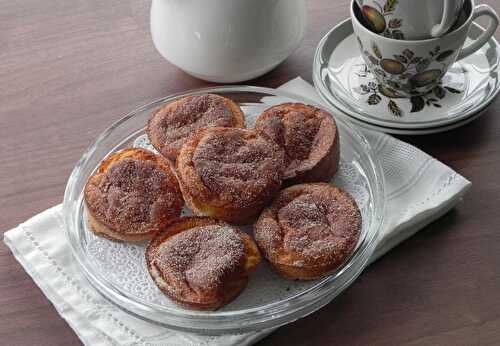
column 342, row 79
column 418, row 132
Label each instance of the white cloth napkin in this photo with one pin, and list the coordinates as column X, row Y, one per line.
column 419, row 189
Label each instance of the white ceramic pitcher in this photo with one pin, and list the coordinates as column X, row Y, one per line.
column 227, row 41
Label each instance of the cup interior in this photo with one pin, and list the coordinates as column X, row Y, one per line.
column 464, row 14
column 463, row 17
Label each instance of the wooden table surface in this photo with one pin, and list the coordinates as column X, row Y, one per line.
column 69, row 68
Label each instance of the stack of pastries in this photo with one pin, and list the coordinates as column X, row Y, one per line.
column 275, row 176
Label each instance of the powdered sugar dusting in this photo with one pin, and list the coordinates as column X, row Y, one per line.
column 238, row 165
column 315, row 222
column 301, row 130
column 171, row 125
column 200, row 258
column 133, row 195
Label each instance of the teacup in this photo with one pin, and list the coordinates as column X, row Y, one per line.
column 410, row 19
column 406, row 68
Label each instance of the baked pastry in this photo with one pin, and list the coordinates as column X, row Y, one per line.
column 229, row 173
column 169, row 127
column 309, row 137
column 200, row 262
column 309, row 230
column 132, row 195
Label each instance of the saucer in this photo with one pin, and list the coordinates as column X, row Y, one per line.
column 343, row 80
column 418, row 132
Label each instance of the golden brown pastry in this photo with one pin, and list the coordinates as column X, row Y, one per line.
column 309, row 230
column 229, row 173
column 132, row 195
column 169, row 127
column 201, row 263
column 309, row 137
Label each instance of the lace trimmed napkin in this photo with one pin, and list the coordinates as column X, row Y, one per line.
column 419, row 189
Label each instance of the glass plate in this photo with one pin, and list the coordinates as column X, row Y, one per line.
column 117, row 270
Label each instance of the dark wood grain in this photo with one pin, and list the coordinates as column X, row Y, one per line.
column 69, row 68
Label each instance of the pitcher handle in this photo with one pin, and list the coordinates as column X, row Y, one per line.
column 449, row 17
column 481, row 10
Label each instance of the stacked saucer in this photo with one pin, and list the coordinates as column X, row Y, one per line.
column 344, row 81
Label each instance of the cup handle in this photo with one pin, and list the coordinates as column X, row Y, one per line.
column 449, row 17
column 481, row 10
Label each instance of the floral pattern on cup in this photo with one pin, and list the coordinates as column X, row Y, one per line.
column 407, row 73
column 377, row 19
column 376, row 93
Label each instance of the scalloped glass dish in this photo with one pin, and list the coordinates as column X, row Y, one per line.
column 118, row 272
